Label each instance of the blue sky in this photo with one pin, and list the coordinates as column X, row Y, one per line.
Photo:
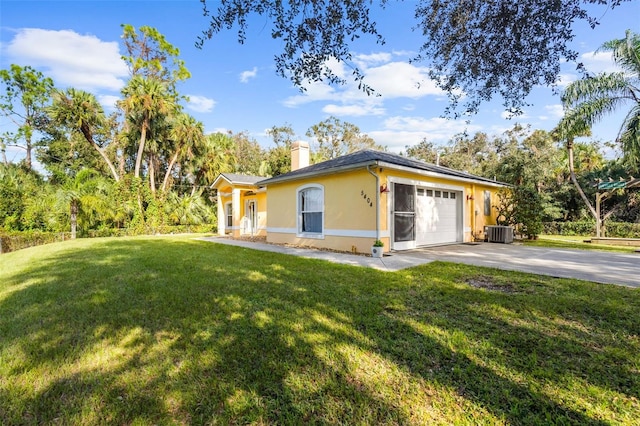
column 235, row 87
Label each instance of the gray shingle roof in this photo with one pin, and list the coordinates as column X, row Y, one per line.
column 236, row 178
column 367, row 157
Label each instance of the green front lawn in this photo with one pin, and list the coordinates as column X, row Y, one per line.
column 170, row 330
column 576, row 242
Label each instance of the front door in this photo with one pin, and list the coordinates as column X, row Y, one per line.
column 252, row 214
column 404, row 216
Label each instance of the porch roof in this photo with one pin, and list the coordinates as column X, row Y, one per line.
column 237, row 179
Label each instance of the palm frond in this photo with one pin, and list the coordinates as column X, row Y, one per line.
column 605, row 84
column 625, row 51
column 629, row 137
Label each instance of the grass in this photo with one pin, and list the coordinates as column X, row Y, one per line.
column 169, row 330
column 576, row 242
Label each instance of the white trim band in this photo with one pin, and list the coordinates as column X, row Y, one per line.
column 354, row 233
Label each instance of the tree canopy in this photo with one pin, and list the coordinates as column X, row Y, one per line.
column 335, row 137
column 588, row 100
column 475, row 48
column 23, row 96
column 148, row 166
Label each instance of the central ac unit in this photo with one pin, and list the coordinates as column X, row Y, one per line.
column 500, row 234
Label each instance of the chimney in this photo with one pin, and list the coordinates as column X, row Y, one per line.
column 299, row 155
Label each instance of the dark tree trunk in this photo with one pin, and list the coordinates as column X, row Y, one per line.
column 28, row 157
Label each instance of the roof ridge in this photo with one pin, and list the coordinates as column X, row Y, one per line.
column 368, row 155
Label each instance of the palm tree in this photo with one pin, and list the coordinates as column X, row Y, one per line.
column 187, row 134
column 146, row 100
column 588, row 100
column 213, row 157
column 82, row 112
column 188, row 209
column 568, row 129
column 85, row 193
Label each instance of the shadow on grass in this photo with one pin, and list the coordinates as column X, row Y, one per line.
column 159, row 331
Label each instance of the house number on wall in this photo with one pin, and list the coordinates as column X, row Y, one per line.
column 367, row 199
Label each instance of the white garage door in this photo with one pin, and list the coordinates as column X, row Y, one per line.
column 437, row 216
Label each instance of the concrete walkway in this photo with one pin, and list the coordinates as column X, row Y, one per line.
column 393, row 262
column 602, row 267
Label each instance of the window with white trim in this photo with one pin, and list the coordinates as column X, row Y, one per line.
column 487, row 203
column 311, row 210
column 229, row 214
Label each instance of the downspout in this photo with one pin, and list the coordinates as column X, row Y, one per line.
column 377, row 201
column 473, row 212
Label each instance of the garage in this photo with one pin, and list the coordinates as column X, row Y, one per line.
column 426, row 215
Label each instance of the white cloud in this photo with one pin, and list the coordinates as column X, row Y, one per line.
column 374, row 58
column 245, row 76
column 356, row 110
column 400, row 79
column 200, row 103
column 396, row 141
column 108, row 101
column 565, row 79
column 72, row 59
column 594, row 63
column 337, row 67
column 399, row 132
column 405, row 53
column 555, row 112
column 391, row 80
column 599, row 62
column 313, row 92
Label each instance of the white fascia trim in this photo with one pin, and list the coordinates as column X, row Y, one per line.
column 218, row 179
column 426, row 184
column 440, row 175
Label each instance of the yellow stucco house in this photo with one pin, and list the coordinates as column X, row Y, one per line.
column 349, row 202
column 242, row 205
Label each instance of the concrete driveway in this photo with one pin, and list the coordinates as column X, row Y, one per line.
column 598, row 266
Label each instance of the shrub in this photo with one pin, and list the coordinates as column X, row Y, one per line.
column 569, row 228
column 622, row 229
column 612, row 229
column 16, row 240
column 528, row 211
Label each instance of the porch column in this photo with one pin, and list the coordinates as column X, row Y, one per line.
column 237, row 217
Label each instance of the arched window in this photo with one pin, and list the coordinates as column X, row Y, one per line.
column 311, row 211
